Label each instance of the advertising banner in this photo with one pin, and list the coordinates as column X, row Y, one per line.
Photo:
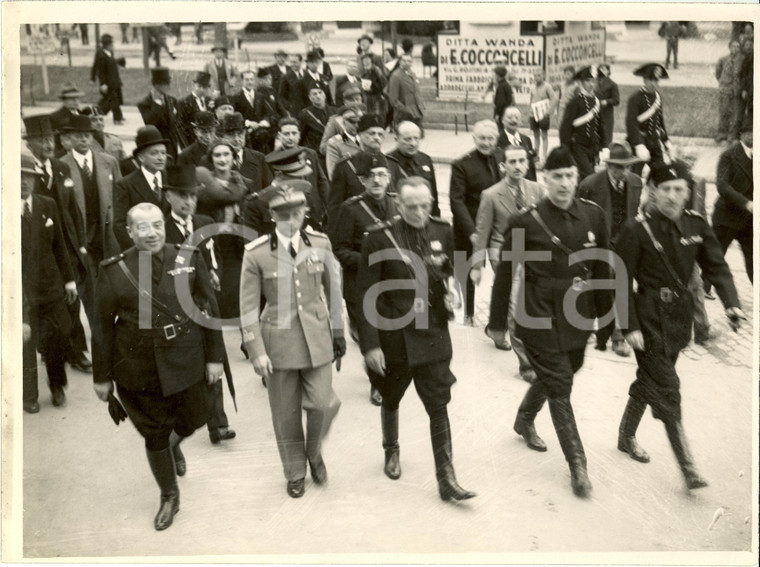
column 577, row 49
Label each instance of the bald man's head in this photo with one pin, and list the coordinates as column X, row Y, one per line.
column 408, row 136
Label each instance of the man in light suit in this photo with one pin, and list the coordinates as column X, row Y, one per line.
column 293, row 345
column 498, row 205
column 404, row 93
column 510, row 135
column 618, row 191
column 223, row 73
column 94, row 175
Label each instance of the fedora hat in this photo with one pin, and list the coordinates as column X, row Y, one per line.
column 28, row 165
column 69, row 90
column 148, row 136
column 38, row 126
column 621, row 155
column 181, row 179
column 78, row 123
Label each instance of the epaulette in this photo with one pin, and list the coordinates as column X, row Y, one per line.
column 352, row 200
column 693, row 213
column 113, row 259
column 258, row 242
column 589, row 202
column 439, row 220
column 379, row 226
column 311, row 232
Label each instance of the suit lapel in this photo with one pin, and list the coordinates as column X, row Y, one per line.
column 37, row 225
column 104, row 177
column 78, row 188
column 145, row 190
column 744, row 162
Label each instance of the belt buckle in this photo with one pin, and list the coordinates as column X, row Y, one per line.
column 666, row 295
column 578, row 283
column 170, row 331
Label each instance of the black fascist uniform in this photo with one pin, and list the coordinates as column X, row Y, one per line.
column 556, row 351
column 644, row 120
column 582, row 127
column 421, row 350
column 661, row 309
column 160, row 371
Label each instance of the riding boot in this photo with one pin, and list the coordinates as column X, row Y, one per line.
column 680, row 446
column 440, row 435
column 162, row 466
column 389, row 422
column 180, row 465
column 532, row 403
column 627, row 443
column 567, row 432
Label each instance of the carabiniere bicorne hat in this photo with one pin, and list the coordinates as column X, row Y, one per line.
column 148, row 136
column 621, row 155
column 38, row 126
column 586, row 73
column 181, row 179
column 291, row 162
column 286, row 194
column 78, row 123
column 652, row 71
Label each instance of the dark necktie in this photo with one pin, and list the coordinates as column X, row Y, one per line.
column 292, row 251
column 493, row 169
column 519, row 198
column 26, row 222
column 86, row 169
column 157, row 188
column 157, row 266
column 45, row 177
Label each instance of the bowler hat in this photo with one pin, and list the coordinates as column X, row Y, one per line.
column 286, row 194
column 585, row 73
column 660, row 172
column 28, row 166
column 620, row 154
column 291, row 162
column 38, row 126
column 367, row 37
column 219, row 46
column 221, row 101
column 202, row 78
column 652, row 71
column 160, row 76
column 559, row 158
column 78, row 123
column 365, row 162
column 263, row 72
column 312, row 56
column 371, row 121
column 204, row 119
column 69, row 90
column 148, row 136
column 181, row 178
column 231, row 123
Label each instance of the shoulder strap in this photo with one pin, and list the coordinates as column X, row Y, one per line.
column 649, row 112
column 369, row 211
column 557, row 242
column 663, row 256
column 145, row 293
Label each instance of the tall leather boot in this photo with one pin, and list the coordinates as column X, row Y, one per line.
column 162, row 465
column 180, row 465
column 680, row 446
column 440, row 435
column 627, row 443
column 532, row 403
column 567, row 432
column 389, row 422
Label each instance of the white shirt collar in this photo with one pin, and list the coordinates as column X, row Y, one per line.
column 149, row 177
column 513, row 137
column 81, row 158
column 286, row 242
column 747, row 150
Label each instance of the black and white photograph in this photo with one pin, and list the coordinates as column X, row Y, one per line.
column 454, row 284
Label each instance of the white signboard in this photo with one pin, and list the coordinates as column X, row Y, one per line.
column 466, row 63
column 42, row 39
column 578, row 49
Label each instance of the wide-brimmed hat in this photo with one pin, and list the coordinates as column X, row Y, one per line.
column 69, row 90
column 620, row 154
column 160, row 76
column 78, row 123
column 182, row 179
column 28, row 165
column 38, row 126
column 231, row 123
column 290, row 162
column 148, row 136
column 286, row 194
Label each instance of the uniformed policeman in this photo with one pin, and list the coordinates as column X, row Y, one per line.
column 299, row 333
column 355, row 216
column 582, row 127
column 157, row 353
column 659, row 250
column 644, row 120
column 555, row 338
column 404, row 333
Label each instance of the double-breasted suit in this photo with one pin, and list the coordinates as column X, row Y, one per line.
column 296, row 331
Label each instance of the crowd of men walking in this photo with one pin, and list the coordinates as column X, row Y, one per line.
column 255, row 201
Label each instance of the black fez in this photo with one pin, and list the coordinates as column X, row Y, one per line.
column 660, row 172
column 365, row 162
column 559, row 158
column 371, row 121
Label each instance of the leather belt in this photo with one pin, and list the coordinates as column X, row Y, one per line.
column 577, row 283
column 664, row 294
column 168, row 332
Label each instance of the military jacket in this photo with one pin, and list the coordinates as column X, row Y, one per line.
column 645, row 122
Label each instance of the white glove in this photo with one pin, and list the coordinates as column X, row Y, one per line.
column 604, row 155
column 642, row 153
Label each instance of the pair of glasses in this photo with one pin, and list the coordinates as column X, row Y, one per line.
column 378, row 175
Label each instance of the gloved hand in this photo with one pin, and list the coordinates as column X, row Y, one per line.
column 735, row 317
column 116, row 410
column 604, row 155
column 339, row 347
column 642, row 152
